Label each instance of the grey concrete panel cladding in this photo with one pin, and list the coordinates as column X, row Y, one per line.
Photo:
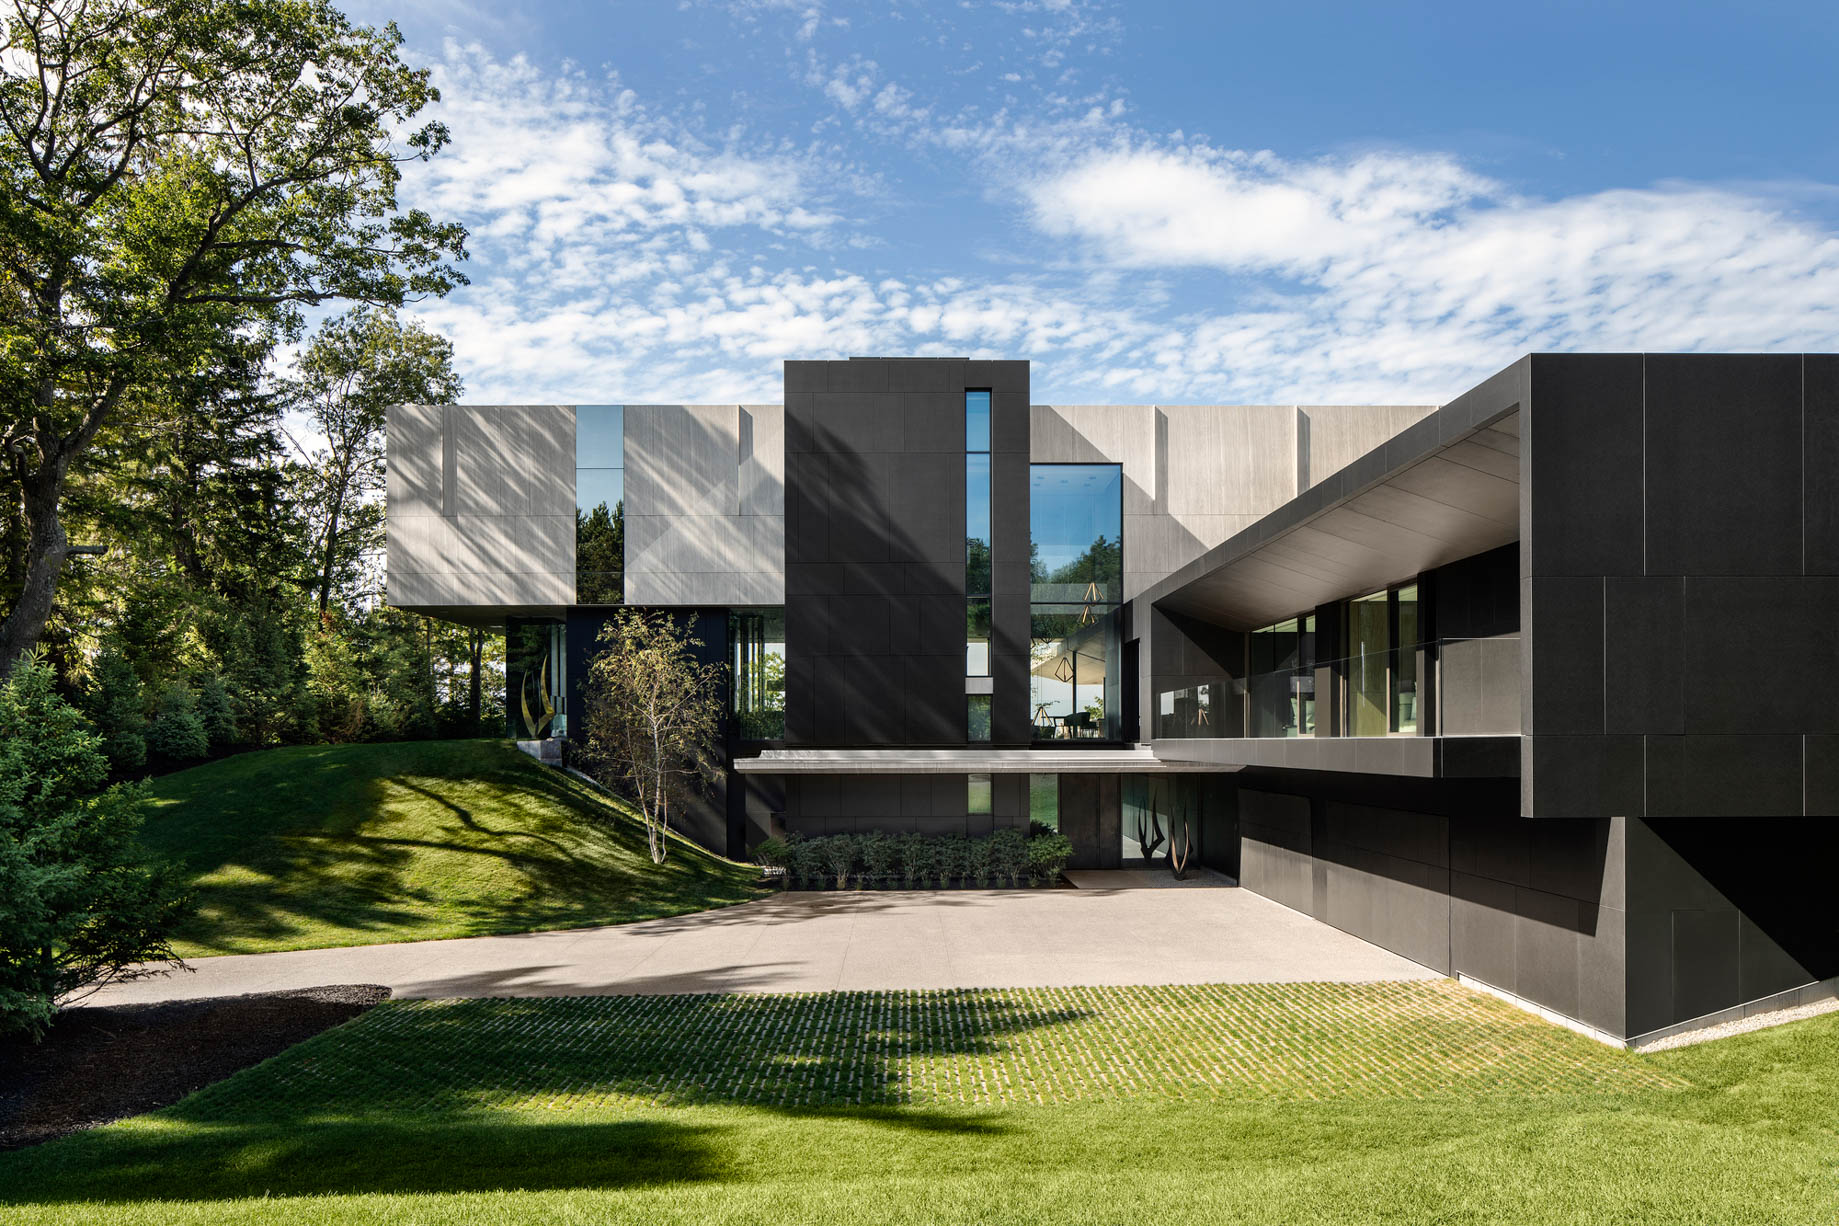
column 481, row 503
column 1194, row 475
column 705, row 504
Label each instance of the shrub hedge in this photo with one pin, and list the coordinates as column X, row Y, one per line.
column 877, row 861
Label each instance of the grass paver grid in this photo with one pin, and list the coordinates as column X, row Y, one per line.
column 956, row 1047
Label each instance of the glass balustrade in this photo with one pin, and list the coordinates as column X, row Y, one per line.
column 1471, row 686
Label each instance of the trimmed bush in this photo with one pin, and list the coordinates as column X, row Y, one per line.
column 877, row 860
column 841, row 855
column 804, row 862
column 1047, row 857
column 915, row 856
column 880, row 856
column 1009, row 856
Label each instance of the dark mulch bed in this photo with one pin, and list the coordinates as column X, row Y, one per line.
column 101, row 1064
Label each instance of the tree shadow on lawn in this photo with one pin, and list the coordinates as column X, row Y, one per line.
column 465, row 1096
column 354, row 864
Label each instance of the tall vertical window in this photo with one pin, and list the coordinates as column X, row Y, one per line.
column 977, row 578
column 758, row 673
column 1384, row 633
column 1281, row 687
column 1076, row 584
column 600, row 503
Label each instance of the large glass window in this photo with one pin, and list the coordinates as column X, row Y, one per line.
column 758, row 638
column 1076, row 582
column 1405, row 662
column 536, row 680
column 600, row 503
column 1281, row 687
column 1385, row 633
column 977, row 535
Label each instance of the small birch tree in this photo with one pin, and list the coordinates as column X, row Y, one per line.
column 653, row 716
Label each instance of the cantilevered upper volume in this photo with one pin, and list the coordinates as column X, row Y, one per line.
column 1463, row 680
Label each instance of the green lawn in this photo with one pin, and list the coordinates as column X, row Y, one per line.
column 1416, row 1102
column 361, row 844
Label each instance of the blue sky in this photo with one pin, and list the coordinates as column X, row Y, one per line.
column 1154, row 202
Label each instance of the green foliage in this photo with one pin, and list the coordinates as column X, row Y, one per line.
column 215, row 713
column 1047, row 856
column 357, row 365
column 805, row 861
column 181, row 180
column 772, row 852
column 116, row 708
column 176, row 731
column 1009, row 855
column 842, row 857
column 600, row 555
column 654, row 715
column 880, row 855
column 878, row 860
column 80, row 903
column 915, row 856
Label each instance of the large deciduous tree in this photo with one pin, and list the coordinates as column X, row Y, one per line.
column 653, row 716
column 173, row 172
column 356, row 367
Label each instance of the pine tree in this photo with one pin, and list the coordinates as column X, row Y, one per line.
column 117, row 708
column 176, row 731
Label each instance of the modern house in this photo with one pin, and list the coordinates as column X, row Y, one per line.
column 1466, row 681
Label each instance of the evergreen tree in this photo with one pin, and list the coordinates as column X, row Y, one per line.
column 176, row 732
column 600, row 555
column 215, row 713
column 117, row 709
column 80, row 903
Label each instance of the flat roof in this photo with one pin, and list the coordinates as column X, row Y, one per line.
column 1441, row 490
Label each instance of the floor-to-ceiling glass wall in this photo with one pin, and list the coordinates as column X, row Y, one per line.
column 1076, row 528
column 1369, row 665
column 536, row 680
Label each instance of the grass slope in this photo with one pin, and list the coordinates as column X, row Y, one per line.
column 1292, row 1103
column 318, row 846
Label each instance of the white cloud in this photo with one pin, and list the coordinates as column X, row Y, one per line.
column 621, row 254
column 1397, row 270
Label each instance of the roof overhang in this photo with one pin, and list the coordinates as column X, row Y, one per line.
column 1444, row 489
column 1136, row 759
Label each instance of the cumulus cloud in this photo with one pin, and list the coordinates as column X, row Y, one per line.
column 1397, row 268
column 623, row 253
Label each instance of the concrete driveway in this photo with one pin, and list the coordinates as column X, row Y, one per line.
column 844, row 941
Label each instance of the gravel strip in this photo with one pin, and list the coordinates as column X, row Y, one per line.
column 1743, row 1025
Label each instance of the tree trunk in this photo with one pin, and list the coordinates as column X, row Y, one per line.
column 325, row 570
column 475, row 643
column 46, row 549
